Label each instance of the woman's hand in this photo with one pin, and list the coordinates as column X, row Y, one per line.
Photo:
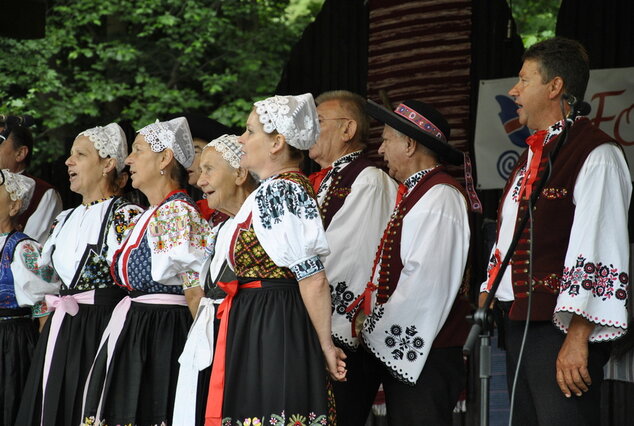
column 335, row 364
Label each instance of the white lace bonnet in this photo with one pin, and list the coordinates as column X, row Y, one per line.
column 109, row 141
column 295, row 117
column 173, row 134
column 228, row 146
column 19, row 187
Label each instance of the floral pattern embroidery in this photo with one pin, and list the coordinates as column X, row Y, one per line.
column 341, row 298
column 190, row 279
column 122, row 221
column 411, row 181
column 279, row 420
column 174, row 224
column 96, row 273
column 39, row 309
column 604, row 281
column 518, row 185
column 280, row 197
column 306, row 268
column 408, row 344
column 554, row 193
column 31, row 256
column 374, row 318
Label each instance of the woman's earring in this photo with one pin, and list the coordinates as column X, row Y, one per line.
column 162, row 172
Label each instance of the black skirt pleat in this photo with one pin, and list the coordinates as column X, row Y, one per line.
column 17, row 340
column 141, row 382
column 74, row 352
column 274, row 363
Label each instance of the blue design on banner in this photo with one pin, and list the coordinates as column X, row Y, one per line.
column 506, row 163
column 510, row 120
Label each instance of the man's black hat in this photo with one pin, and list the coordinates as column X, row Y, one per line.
column 421, row 122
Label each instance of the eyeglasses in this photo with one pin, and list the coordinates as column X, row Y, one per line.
column 320, row 119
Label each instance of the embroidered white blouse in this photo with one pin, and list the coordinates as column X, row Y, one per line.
column 177, row 236
column 597, row 258
column 353, row 235
column 288, row 225
column 31, row 280
column 434, row 251
column 76, row 229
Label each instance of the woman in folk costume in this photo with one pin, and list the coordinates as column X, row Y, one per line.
column 133, row 379
column 274, row 336
column 226, row 186
column 23, row 284
column 80, row 249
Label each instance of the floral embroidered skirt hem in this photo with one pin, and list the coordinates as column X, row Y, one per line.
column 141, row 381
column 274, row 370
column 17, row 340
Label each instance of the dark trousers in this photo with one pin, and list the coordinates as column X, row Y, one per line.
column 538, row 399
column 354, row 397
column 429, row 402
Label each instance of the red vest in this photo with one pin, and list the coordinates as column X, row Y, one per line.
column 553, row 215
column 456, row 328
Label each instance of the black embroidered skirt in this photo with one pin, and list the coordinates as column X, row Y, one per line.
column 74, row 351
column 18, row 337
column 275, row 369
column 141, row 382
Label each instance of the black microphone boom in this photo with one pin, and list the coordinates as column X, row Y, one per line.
column 17, row 120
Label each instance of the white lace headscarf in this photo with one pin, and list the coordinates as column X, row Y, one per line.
column 173, row 134
column 295, row 117
column 19, row 187
column 109, row 141
column 228, row 146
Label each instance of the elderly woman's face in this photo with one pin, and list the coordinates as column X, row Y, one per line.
column 84, row 167
column 217, row 179
column 144, row 164
column 255, row 144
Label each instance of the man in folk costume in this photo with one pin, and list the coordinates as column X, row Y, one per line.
column 15, row 154
column 413, row 319
column 578, row 257
column 356, row 199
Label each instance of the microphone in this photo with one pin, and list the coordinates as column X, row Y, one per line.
column 583, row 108
column 17, row 120
column 579, row 107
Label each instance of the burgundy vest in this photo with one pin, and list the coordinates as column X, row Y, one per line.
column 40, row 188
column 340, row 188
column 456, row 328
column 553, row 215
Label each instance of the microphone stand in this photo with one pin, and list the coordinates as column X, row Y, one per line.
column 483, row 318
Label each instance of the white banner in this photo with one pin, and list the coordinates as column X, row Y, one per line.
column 499, row 138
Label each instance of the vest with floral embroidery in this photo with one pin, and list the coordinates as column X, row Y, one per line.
column 553, row 216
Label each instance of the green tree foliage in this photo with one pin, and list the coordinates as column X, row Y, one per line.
column 535, row 19
column 115, row 60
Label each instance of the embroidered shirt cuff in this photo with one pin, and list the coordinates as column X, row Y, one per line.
column 39, row 309
column 190, row 279
column 307, row 267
